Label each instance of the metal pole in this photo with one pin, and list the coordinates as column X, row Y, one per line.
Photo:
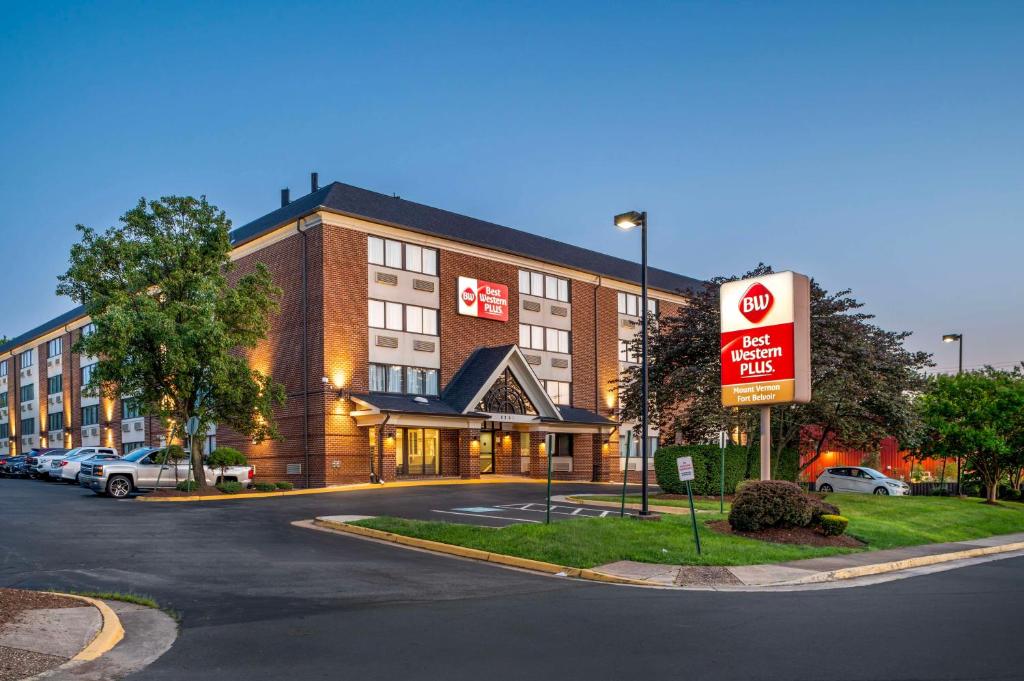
column 766, row 443
column 644, row 510
column 547, row 511
column 625, row 472
column 721, row 499
column 960, row 343
column 693, row 516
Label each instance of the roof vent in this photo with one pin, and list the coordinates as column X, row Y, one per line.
column 421, row 400
column 285, row 198
column 314, row 182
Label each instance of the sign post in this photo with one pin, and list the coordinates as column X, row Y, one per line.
column 625, row 473
column 547, row 511
column 723, row 440
column 191, row 426
column 684, row 464
column 766, row 347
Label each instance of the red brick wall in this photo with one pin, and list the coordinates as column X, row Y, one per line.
column 584, row 351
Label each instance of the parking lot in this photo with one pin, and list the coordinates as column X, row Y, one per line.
column 500, row 515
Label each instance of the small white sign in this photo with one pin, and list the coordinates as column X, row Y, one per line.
column 685, row 466
column 723, row 439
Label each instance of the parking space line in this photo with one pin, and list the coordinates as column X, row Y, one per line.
column 482, row 515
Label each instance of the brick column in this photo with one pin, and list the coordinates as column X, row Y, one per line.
column 390, row 461
column 538, row 455
column 603, row 459
column 469, row 452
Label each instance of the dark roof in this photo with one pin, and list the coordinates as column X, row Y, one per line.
column 470, row 377
column 391, row 210
column 406, row 404
column 576, row 415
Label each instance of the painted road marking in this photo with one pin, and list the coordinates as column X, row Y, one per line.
column 481, row 515
column 560, row 510
column 478, row 509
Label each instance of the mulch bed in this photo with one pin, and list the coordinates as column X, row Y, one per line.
column 15, row 601
column 807, row 536
column 208, row 492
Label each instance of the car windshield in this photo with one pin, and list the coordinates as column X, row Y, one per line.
column 138, row 454
column 873, row 473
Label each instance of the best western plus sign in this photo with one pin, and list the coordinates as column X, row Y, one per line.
column 483, row 299
column 766, row 340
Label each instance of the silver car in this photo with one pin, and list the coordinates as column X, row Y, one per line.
column 860, row 479
column 71, row 465
column 55, row 463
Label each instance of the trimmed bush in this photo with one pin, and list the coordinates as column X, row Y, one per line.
column 266, row 487
column 174, row 453
column 820, row 507
column 187, row 486
column 222, row 457
column 833, row 525
column 284, row 484
column 707, row 467
column 230, row 487
column 770, row 503
column 743, row 483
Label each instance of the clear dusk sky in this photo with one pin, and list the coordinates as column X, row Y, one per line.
column 875, row 146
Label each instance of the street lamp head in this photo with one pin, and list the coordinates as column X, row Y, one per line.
column 950, row 337
column 633, row 218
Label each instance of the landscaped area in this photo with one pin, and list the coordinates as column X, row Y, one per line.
column 881, row 522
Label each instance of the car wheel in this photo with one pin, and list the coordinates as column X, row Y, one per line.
column 881, row 491
column 825, row 488
column 119, row 486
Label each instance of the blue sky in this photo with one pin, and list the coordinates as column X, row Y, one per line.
column 875, row 146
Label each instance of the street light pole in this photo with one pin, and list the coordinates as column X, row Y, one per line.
column 957, row 338
column 628, row 221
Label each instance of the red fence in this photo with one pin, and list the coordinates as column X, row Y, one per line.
column 893, row 462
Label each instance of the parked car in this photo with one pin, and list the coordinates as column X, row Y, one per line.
column 53, row 472
column 13, row 466
column 69, row 467
column 147, row 469
column 859, row 479
column 39, row 459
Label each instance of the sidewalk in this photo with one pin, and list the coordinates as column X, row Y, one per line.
column 40, row 631
column 812, row 570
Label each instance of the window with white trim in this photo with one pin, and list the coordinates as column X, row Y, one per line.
column 55, row 347
column 26, row 359
column 630, row 303
column 560, row 392
column 395, row 378
column 87, row 372
column 533, row 337
column 626, row 352
column 384, row 314
column 3, row 368
column 543, row 285
column 401, row 256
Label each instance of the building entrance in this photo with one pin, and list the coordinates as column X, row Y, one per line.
column 416, row 451
column 486, row 452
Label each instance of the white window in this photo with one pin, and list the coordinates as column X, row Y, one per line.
column 421, row 320
column 563, row 290
column 563, row 341
column 536, row 283
column 559, row 391
column 393, row 253
column 3, row 368
column 54, row 347
column 393, row 316
column 88, row 329
column 537, row 337
column 26, row 359
column 430, row 261
column 394, row 378
column 543, row 285
column 375, row 250
column 626, row 353
column 413, row 258
column 551, row 287
column 524, row 281
column 377, row 314
column 551, row 342
column 630, row 303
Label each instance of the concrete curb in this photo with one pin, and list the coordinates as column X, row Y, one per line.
column 478, row 554
column 357, row 488
column 109, row 635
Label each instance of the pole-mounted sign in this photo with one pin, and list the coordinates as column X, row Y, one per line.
column 766, row 346
column 684, row 464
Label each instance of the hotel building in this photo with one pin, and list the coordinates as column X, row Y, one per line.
column 411, row 341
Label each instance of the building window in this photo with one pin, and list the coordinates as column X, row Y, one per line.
column 89, row 329
column 91, row 415
column 5, row 431
column 632, row 444
column 560, row 444
column 28, row 392
column 28, row 426
column 3, row 368
column 626, row 352
column 55, row 347
column 395, row 378
column 544, row 286
column 560, row 392
column 630, row 303
column 87, row 372
column 402, row 256
column 400, row 317
column 26, row 359
column 130, row 409
column 129, row 447
column 55, row 384
column 3, row 400
column 419, row 381
column 534, row 337
column 55, row 421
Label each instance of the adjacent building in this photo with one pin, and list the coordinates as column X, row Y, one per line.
column 411, row 341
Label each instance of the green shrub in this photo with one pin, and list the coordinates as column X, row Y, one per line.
column 1009, row 494
column 174, row 453
column 284, row 484
column 230, row 487
column 707, row 462
column 222, row 457
column 266, row 487
column 770, row 503
column 743, row 483
column 187, row 486
column 833, row 525
column 819, row 507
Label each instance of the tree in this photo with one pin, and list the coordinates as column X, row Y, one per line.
column 224, row 457
column 978, row 415
column 168, row 326
column 861, row 377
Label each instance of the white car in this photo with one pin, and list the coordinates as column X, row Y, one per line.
column 860, row 479
column 53, row 466
column 71, row 465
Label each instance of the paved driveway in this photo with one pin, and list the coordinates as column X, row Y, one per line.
column 261, row 599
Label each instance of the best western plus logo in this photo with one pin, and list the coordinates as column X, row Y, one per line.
column 483, row 299
column 756, row 303
column 469, row 296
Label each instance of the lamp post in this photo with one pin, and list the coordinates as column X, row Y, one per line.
column 957, row 338
column 628, row 221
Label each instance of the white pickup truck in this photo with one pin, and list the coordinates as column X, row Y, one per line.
column 145, row 469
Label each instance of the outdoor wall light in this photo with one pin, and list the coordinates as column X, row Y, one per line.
column 340, row 393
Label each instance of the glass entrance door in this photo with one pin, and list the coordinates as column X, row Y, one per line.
column 416, row 451
column 486, row 451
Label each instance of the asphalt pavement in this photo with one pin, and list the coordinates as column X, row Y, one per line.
column 262, row 599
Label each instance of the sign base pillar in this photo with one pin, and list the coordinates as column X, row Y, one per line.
column 766, row 443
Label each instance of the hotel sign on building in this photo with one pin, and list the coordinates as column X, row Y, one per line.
column 483, row 299
column 766, row 341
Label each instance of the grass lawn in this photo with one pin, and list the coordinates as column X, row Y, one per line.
column 882, row 522
column 704, row 504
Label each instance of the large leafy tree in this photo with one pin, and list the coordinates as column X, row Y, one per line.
column 862, row 377
column 169, row 326
column 978, row 415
